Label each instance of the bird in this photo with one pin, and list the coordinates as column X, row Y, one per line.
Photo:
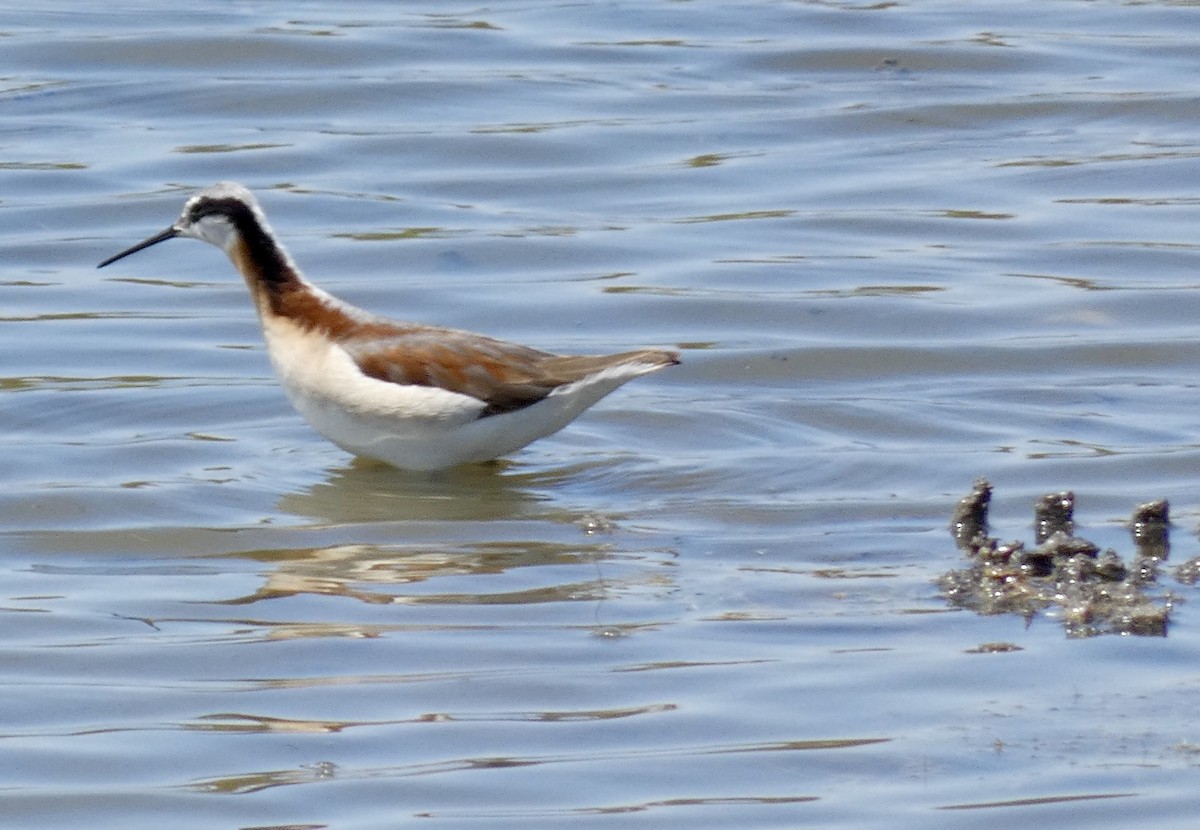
column 419, row 397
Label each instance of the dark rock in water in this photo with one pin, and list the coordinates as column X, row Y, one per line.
column 1110, row 567
column 970, row 515
column 1037, row 562
column 1144, row 570
column 1148, row 621
column 1061, row 545
column 1150, row 525
column 1054, row 513
column 1152, row 512
column 1092, row 592
column 1189, row 572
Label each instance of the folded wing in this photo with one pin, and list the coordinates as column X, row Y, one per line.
column 504, row 376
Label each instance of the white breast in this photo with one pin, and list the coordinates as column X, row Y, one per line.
column 360, row 414
column 415, row 427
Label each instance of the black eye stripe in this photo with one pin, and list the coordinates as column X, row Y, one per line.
column 236, row 211
column 250, row 225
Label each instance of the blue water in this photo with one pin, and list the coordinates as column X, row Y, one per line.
column 899, row 246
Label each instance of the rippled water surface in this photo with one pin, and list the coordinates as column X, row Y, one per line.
column 900, row 245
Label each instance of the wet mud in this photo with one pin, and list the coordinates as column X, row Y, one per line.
column 1092, row 591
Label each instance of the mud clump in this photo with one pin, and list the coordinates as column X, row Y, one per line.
column 1092, row 591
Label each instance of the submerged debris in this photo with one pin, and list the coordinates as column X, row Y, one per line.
column 994, row 648
column 1092, row 591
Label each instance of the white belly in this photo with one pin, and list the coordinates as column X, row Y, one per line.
column 414, row 427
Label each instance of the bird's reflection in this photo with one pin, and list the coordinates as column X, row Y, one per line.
column 368, row 491
column 383, row 536
column 400, row 573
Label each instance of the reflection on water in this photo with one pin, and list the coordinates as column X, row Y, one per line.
column 253, row 783
column 397, row 574
column 365, row 491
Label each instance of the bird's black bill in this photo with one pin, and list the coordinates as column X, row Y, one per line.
column 169, row 233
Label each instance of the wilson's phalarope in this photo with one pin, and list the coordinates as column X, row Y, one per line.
column 416, row 396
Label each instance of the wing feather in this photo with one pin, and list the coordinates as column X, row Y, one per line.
column 505, row 376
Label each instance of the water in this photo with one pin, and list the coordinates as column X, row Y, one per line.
column 900, row 246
